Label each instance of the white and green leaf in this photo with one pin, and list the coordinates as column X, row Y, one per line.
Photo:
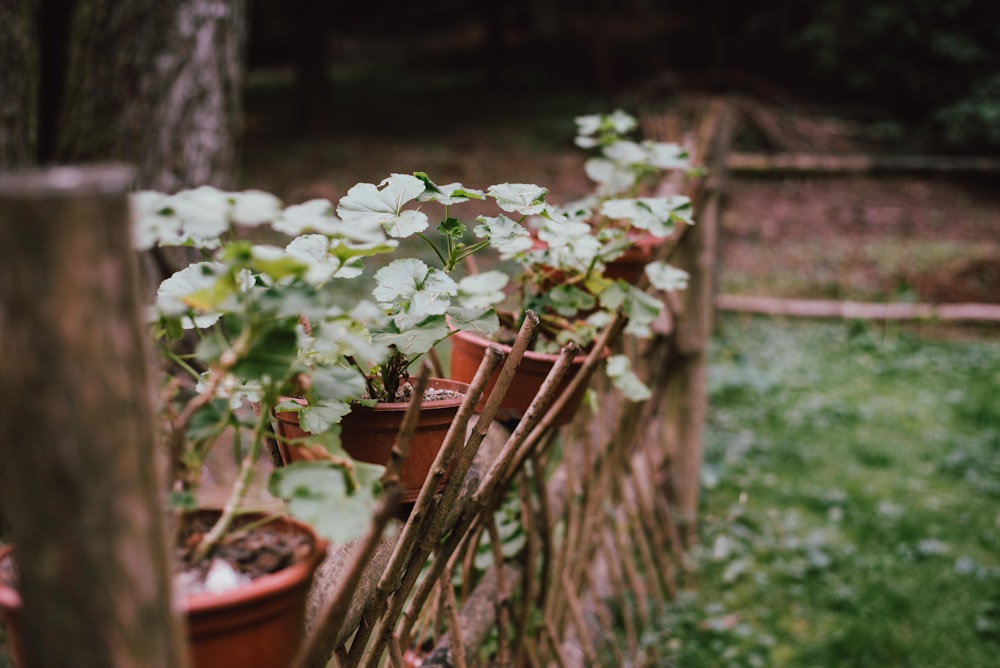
column 619, row 370
column 663, row 276
column 482, row 290
column 526, row 199
column 367, row 204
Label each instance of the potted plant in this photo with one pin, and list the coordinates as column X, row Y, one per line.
column 625, row 207
column 245, row 575
column 421, row 304
column 565, row 271
column 246, row 304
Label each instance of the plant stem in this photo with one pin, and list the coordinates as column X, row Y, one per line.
column 239, row 489
column 437, row 251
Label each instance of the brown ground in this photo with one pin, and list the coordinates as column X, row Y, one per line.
column 912, row 237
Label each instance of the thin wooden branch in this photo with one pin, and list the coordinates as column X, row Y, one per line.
column 501, row 597
column 430, row 539
column 322, row 640
column 577, row 618
column 529, row 558
column 476, row 619
column 451, row 605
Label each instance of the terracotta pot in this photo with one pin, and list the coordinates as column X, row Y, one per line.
column 632, row 263
column 261, row 624
column 10, row 607
column 467, row 352
column 367, row 434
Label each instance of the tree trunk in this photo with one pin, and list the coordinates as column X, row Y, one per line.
column 18, row 84
column 77, row 435
column 156, row 84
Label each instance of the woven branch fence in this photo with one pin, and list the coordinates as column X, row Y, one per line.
column 548, row 546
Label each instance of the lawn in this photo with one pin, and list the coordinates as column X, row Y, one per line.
column 850, row 503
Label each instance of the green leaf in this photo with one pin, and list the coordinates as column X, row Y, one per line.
column 569, row 300
column 611, row 177
column 336, row 383
column 204, row 213
column 482, row 290
column 619, row 370
column 153, row 223
column 451, row 193
column 399, row 280
column 452, row 227
column 184, row 500
column 605, row 126
column 500, row 230
column 207, row 420
column 526, row 199
column 417, row 338
column 366, row 204
column 320, row 417
column 653, row 214
column 336, row 338
column 276, row 263
column 663, row 276
column 272, row 353
column 570, row 244
column 319, row 494
column 477, row 320
column 175, row 290
column 255, row 207
column 664, row 155
column 409, row 288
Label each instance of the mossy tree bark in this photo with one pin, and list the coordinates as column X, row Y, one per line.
column 154, row 84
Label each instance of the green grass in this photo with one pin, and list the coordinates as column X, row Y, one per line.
column 851, row 502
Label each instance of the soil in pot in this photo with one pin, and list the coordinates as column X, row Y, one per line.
column 259, row 622
column 367, row 433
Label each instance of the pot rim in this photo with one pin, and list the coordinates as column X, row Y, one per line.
column 264, row 586
column 432, row 383
column 528, row 354
column 10, row 598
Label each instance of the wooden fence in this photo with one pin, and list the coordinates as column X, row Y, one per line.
column 546, row 546
column 603, row 508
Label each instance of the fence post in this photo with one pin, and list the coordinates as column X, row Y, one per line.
column 79, row 484
column 686, row 400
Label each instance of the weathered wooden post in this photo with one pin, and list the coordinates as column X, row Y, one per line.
column 685, row 400
column 77, row 471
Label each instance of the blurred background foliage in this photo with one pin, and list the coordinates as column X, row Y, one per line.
column 923, row 74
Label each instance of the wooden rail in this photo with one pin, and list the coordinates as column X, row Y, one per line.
column 819, row 308
column 762, row 163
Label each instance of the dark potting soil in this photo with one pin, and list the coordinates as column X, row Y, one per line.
column 258, row 548
column 405, row 392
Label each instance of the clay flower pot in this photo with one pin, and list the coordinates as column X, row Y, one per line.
column 367, row 434
column 467, row 351
column 260, row 624
column 632, row 263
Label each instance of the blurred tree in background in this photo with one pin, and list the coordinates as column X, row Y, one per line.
column 927, row 70
column 155, row 84
column 934, row 65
